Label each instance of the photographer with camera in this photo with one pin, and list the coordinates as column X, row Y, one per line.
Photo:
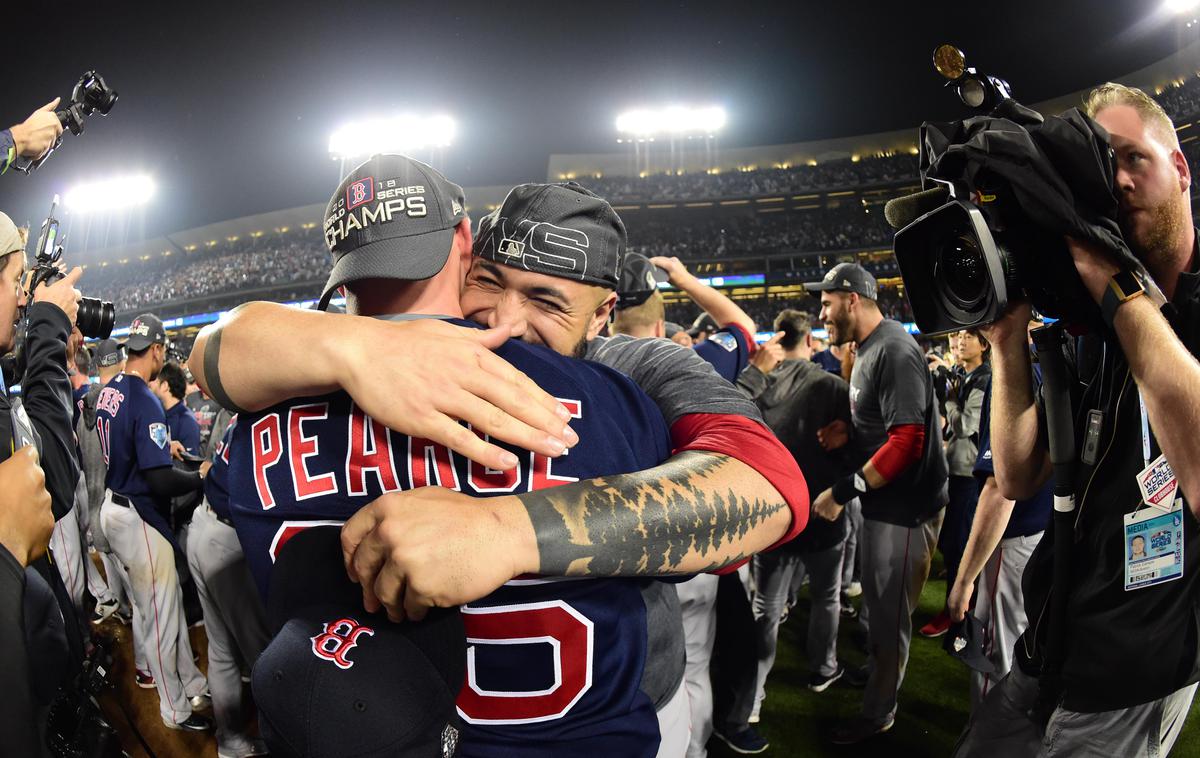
column 1131, row 657
column 32, row 138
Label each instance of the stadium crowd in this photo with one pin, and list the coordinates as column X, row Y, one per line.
column 842, row 173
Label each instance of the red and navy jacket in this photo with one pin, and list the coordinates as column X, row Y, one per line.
column 554, row 665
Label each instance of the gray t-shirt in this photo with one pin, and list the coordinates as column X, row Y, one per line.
column 680, row 382
column 675, row 377
column 889, row 386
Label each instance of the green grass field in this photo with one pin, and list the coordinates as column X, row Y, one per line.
column 934, row 699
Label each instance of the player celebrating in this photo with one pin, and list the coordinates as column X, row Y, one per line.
column 140, row 479
column 610, row 547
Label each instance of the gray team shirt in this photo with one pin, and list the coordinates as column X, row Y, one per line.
column 889, row 386
column 675, row 377
column 680, row 382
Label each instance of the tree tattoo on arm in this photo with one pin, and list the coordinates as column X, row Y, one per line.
column 685, row 516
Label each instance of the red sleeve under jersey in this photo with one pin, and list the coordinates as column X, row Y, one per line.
column 903, row 448
column 753, row 444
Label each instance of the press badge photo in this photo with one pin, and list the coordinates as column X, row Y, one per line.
column 1153, row 546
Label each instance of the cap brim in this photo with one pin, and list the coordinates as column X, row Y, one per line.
column 821, row 286
column 412, row 259
column 137, row 344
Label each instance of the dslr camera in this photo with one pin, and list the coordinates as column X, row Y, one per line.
column 96, row 317
column 965, row 246
column 91, row 95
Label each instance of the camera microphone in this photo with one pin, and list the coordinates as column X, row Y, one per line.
column 902, row 211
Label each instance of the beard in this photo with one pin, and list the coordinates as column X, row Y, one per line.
column 1155, row 245
column 840, row 330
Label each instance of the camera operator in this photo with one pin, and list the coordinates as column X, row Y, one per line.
column 32, row 137
column 1130, row 664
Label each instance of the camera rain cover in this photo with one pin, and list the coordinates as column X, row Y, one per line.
column 1059, row 170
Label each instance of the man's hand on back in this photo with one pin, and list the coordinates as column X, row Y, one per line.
column 435, row 548
column 421, row 377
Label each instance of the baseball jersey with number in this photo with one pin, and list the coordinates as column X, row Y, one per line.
column 134, row 438
column 555, row 665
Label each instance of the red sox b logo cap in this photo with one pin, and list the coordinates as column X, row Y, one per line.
column 338, row 639
column 392, row 218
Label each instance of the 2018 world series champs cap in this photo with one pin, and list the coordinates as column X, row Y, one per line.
column 392, row 217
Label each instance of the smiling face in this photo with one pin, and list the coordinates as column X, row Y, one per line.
column 559, row 313
column 837, row 312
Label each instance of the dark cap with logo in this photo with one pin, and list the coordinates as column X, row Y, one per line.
column 964, row 641
column 562, row 230
column 144, row 331
column 339, row 681
column 847, row 277
column 109, row 352
column 639, row 280
column 391, row 218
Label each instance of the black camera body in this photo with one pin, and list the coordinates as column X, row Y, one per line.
column 963, row 262
column 90, row 95
column 96, row 317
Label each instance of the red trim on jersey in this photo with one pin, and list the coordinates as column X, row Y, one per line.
column 754, row 445
column 902, row 449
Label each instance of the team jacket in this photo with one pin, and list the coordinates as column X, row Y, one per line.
column 554, row 665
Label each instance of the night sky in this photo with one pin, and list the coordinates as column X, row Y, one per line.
column 230, row 106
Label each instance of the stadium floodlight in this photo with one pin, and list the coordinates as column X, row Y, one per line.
column 110, row 194
column 675, row 120
column 1181, row 6
column 395, row 134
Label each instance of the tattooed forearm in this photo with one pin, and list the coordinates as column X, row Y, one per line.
column 696, row 512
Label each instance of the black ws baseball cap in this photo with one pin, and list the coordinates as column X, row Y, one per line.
column 639, row 280
column 703, row 323
column 109, row 352
column 847, row 277
column 391, row 218
column 338, row 681
column 144, row 331
column 964, row 641
column 562, row 230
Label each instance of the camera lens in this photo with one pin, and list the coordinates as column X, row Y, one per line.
column 96, row 318
column 960, row 272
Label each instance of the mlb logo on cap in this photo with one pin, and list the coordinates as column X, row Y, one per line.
column 360, row 192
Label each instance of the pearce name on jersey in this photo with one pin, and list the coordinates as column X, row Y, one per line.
column 554, row 665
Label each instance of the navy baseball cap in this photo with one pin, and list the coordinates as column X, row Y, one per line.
column 964, row 641
column 562, row 230
column 639, row 280
column 144, row 331
column 847, row 277
column 392, row 218
column 338, row 681
column 109, row 352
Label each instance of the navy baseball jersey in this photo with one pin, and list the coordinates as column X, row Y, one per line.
column 216, row 482
column 77, row 396
column 134, row 438
column 184, row 428
column 728, row 350
column 555, row 666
